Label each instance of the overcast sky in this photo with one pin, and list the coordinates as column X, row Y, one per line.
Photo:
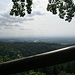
column 39, row 23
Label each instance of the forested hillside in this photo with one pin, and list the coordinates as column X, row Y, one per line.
column 14, row 50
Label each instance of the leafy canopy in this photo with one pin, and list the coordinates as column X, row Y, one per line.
column 64, row 8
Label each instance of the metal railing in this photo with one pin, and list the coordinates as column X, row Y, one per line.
column 38, row 61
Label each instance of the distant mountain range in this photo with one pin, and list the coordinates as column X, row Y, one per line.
column 46, row 40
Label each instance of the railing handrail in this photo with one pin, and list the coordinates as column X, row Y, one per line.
column 38, row 61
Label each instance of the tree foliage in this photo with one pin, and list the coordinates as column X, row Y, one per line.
column 64, row 8
column 19, row 7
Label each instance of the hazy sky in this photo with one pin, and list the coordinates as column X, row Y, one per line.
column 39, row 23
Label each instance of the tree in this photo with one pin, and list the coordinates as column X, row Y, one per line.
column 64, row 8
column 19, row 7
